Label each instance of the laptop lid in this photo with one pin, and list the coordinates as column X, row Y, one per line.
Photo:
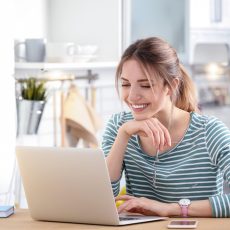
column 68, row 185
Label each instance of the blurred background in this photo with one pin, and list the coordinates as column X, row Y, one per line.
column 69, row 49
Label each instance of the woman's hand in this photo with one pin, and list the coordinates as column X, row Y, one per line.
column 152, row 128
column 144, row 206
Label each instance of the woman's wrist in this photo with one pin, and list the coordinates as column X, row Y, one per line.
column 200, row 208
column 174, row 209
column 122, row 132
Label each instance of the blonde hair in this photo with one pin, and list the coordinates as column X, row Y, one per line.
column 156, row 57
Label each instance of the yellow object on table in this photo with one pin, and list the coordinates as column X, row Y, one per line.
column 119, row 202
column 122, row 192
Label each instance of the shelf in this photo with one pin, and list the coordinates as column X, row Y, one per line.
column 64, row 66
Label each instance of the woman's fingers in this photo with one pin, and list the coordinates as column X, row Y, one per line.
column 149, row 128
column 124, row 197
column 166, row 134
column 144, row 206
column 154, row 132
column 149, row 132
column 127, row 206
column 134, row 206
column 158, row 132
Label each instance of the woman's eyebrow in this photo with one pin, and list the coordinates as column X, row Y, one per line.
column 122, row 78
column 140, row 80
column 143, row 80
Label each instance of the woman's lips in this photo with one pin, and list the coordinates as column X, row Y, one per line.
column 138, row 107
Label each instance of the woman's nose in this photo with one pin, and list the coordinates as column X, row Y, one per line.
column 134, row 95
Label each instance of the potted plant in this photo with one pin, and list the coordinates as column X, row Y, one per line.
column 30, row 105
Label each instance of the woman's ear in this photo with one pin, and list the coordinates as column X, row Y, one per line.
column 174, row 86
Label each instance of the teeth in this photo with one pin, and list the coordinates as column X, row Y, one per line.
column 139, row 106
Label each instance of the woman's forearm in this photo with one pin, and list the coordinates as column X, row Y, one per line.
column 116, row 155
column 200, row 208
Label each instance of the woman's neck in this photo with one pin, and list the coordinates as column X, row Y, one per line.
column 179, row 123
column 173, row 118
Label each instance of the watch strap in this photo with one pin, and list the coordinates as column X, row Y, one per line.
column 184, row 210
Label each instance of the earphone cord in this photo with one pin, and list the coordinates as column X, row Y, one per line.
column 155, row 170
column 151, row 179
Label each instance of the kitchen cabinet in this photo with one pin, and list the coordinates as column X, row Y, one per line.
column 211, row 73
column 214, row 95
column 210, row 28
column 213, row 88
column 209, row 14
column 209, row 23
column 207, row 36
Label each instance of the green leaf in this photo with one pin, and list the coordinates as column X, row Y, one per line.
column 32, row 89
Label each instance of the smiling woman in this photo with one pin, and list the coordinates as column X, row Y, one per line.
column 175, row 160
column 143, row 97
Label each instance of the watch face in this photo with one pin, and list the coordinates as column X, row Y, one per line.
column 184, row 202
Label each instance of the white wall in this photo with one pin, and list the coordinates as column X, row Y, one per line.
column 7, row 100
column 86, row 22
column 29, row 19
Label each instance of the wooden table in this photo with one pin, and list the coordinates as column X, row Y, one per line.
column 22, row 220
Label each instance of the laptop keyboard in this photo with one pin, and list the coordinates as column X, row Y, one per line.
column 128, row 218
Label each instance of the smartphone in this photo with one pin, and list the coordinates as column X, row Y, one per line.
column 183, row 224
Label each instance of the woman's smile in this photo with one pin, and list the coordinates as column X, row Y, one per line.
column 138, row 107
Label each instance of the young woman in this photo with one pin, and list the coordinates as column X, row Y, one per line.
column 174, row 159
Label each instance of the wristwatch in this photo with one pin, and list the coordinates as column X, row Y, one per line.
column 184, row 203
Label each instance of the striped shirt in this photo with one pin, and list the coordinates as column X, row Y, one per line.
column 195, row 168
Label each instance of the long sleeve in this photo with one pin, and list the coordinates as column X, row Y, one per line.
column 218, row 144
column 107, row 143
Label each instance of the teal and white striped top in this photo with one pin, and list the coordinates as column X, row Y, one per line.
column 194, row 168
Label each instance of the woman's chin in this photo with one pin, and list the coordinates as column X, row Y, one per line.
column 140, row 117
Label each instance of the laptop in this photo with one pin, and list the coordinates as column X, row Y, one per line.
column 70, row 185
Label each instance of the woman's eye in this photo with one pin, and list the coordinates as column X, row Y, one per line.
column 125, row 85
column 145, row 86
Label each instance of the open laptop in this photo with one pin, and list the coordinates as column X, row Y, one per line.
column 70, row 185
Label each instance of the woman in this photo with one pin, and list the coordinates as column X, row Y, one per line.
column 174, row 159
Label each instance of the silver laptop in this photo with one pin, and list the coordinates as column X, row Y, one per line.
column 70, row 185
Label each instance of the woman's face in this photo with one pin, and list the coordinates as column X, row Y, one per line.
column 145, row 99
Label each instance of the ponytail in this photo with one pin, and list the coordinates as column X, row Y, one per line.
column 187, row 97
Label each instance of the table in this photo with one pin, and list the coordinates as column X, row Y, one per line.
column 22, row 220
